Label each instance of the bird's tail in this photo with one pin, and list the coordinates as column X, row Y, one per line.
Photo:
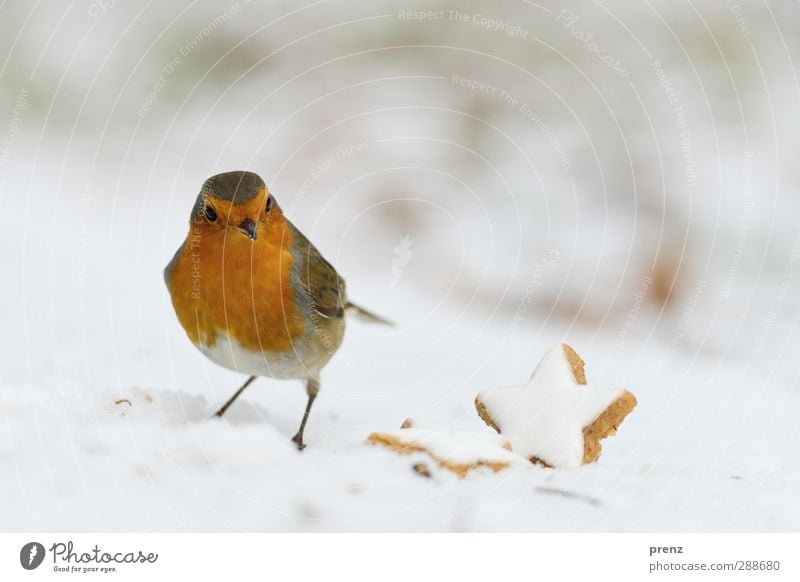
column 365, row 315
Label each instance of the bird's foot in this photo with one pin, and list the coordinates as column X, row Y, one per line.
column 298, row 441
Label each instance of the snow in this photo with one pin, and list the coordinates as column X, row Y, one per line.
column 510, row 253
column 710, row 448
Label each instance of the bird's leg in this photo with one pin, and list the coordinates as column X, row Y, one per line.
column 312, row 389
column 236, row 395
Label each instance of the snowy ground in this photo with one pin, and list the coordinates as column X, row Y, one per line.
column 706, row 450
column 96, row 199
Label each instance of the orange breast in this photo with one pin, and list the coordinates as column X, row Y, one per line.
column 224, row 282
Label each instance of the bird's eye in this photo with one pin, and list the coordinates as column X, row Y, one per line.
column 210, row 213
column 269, row 203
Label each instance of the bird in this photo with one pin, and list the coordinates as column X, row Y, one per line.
column 252, row 293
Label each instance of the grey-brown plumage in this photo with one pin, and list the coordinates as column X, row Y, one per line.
column 324, row 286
column 238, row 187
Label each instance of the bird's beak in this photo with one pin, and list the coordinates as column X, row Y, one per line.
column 249, row 228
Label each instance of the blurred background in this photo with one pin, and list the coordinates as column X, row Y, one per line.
column 493, row 177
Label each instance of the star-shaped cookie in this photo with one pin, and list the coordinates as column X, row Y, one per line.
column 556, row 419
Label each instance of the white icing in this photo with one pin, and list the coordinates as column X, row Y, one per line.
column 545, row 418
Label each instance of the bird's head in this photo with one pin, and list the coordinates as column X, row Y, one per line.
column 237, row 202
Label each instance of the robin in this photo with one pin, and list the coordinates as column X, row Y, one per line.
column 252, row 293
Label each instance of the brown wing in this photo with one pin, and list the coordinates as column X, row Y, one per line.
column 317, row 277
